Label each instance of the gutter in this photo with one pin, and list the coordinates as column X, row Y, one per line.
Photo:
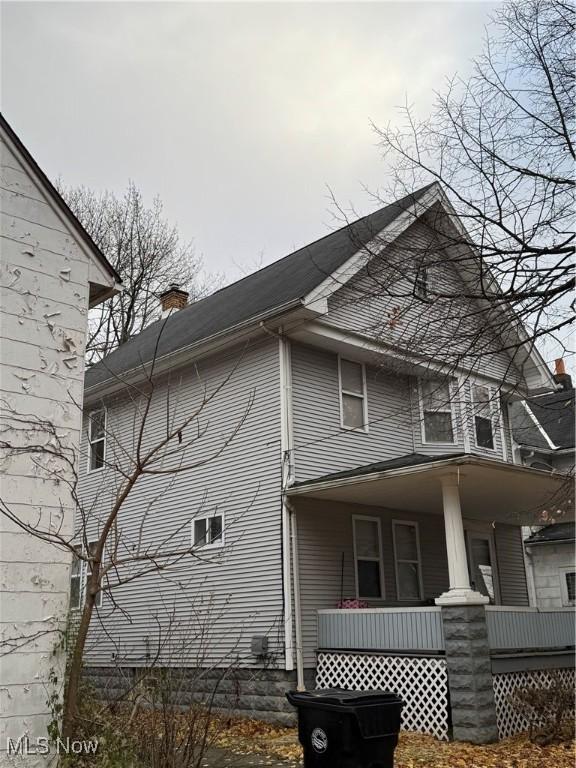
column 299, row 490
column 131, row 376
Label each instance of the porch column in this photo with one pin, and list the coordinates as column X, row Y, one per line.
column 468, row 659
column 460, row 592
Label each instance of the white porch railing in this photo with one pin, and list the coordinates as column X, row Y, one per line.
column 511, row 628
column 381, row 629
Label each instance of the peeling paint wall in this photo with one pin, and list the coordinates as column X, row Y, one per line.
column 43, row 311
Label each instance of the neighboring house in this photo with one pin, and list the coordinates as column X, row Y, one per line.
column 543, row 429
column 550, row 552
column 361, row 475
column 50, row 274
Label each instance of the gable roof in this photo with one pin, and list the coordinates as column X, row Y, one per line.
column 57, row 198
column 555, row 415
column 551, row 534
column 281, row 284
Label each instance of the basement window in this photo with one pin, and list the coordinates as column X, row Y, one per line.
column 208, row 531
column 97, row 439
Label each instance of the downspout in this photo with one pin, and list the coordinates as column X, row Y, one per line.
column 297, row 605
column 287, row 469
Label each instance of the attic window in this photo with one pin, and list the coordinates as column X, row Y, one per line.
column 421, row 283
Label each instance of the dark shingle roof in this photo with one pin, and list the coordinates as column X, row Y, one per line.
column 555, row 413
column 277, row 285
column 553, row 533
column 409, row 460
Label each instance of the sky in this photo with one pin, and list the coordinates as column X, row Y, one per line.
column 241, row 117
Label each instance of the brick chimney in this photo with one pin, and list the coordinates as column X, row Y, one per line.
column 173, row 299
column 560, row 375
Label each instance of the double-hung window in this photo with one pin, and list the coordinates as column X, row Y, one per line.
column 407, row 560
column 421, row 283
column 353, row 405
column 368, row 557
column 97, row 439
column 208, row 531
column 483, row 416
column 79, row 579
column 437, row 417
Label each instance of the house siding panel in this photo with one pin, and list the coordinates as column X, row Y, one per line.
column 241, row 595
column 511, row 568
column 321, row 445
column 326, row 555
column 446, row 329
column 44, row 287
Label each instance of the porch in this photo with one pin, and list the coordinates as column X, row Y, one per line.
column 428, row 560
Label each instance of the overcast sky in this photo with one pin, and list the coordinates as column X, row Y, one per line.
column 239, row 116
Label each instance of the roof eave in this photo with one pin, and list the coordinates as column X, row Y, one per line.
column 194, row 351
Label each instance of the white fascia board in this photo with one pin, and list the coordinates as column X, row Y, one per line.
column 320, row 333
column 319, row 296
column 418, row 469
column 541, row 379
column 218, row 342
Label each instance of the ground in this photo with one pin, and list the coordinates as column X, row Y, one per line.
column 248, row 743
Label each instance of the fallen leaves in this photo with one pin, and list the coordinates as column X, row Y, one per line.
column 414, row 750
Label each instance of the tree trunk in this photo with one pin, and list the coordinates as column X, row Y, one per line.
column 70, row 707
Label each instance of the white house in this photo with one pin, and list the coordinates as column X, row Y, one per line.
column 51, row 273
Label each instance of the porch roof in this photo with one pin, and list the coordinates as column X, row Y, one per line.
column 490, row 489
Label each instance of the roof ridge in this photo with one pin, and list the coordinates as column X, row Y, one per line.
column 350, row 224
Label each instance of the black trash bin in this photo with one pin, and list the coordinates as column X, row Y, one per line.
column 347, row 729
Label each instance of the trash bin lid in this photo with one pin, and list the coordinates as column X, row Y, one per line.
column 343, row 697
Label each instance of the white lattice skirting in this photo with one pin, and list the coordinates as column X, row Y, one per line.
column 421, row 682
column 508, row 720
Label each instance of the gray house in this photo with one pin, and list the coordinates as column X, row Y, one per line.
column 543, row 431
column 361, row 513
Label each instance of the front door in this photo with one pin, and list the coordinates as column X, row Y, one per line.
column 482, row 565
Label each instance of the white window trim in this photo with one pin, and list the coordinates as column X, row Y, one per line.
column 353, row 394
column 495, row 414
column 415, row 525
column 452, row 414
column 563, row 586
column 212, row 545
column 379, row 559
column 90, row 413
column 83, row 577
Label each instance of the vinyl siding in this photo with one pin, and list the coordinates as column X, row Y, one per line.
column 326, row 555
column 511, row 569
column 239, row 592
column 325, row 537
column 320, row 444
column 449, row 330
